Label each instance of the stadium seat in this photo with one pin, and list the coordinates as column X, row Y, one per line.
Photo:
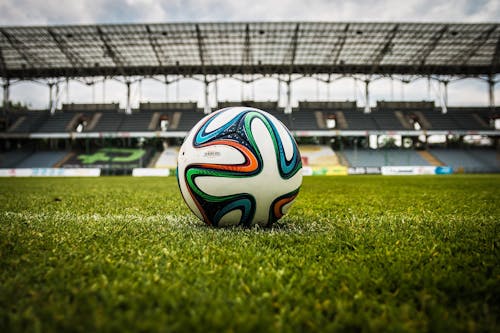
column 383, row 157
column 42, row 159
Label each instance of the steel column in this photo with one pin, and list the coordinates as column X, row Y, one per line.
column 429, row 88
column 67, row 90
column 216, row 83
column 6, row 93
column 279, row 91
column 206, row 108
column 367, row 96
column 288, row 106
column 444, row 108
column 104, row 90
column 392, row 89
column 53, row 105
column 166, row 89
column 491, row 91
column 128, row 109
column 50, row 94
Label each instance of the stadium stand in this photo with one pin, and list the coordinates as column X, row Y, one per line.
column 430, row 117
column 12, row 159
column 469, row 160
column 180, row 116
column 383, row 157
column 357, row 120
column 28, row 122
column 437, row 121
column 489, row 157
column 188, row 119
column 268, row 106
column 467, row 121
column 318, row 155
column 136, row 122
column 42, row 159
column 108, row 122
column 167, row 158
column 303, row 120
column 391, row 120
column 56, row 122
column 98, row 117
column 168, row 106
column 309, row 116
column 111, row 160
column 466, row 116
column 325, row 110
column 286, row 119
column 93, row 107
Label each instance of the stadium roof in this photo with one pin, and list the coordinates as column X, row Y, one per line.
column 250, row 48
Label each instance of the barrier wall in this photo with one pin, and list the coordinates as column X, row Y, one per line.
column 415, row 170
column 364, row 171
column 150, row 172
column 51, row 172
column 161, row 172
column 339, row 170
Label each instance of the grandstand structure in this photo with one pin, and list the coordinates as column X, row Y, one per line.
column 248, row 51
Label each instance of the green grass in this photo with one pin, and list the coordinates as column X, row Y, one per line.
column 354, row 254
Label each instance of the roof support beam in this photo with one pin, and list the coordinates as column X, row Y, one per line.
column 385, row 49
column 292, row 52
column 2, row 64
column 420, row 57
column 247, row 50
column 495, row 61
column 154, row 45
column 3, row 67
column 334, row 55
column 201, row 53
column 264, row 69
column 463, row 58
column 31, row 59
column 110, row 51
column 72, row 57
column 293, row 47
column 496, row 56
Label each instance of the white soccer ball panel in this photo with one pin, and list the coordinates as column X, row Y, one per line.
column 288, row 143
column 223, row 118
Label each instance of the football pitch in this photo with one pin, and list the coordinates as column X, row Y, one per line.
column 358, row 253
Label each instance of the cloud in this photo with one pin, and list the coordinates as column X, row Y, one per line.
column 337, row 10
column 50, row 12
column 35, row 12
column 32, row 12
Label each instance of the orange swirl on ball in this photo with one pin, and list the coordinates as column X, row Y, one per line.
column 278, row 206
column 251, row 163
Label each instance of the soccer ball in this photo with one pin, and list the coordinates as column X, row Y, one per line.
column 239, row 166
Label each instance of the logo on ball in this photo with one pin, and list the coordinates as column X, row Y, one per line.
column 239, row 166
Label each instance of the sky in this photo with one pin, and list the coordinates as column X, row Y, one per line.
column 58, row 12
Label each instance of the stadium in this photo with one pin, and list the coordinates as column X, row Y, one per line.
column 365, row 252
